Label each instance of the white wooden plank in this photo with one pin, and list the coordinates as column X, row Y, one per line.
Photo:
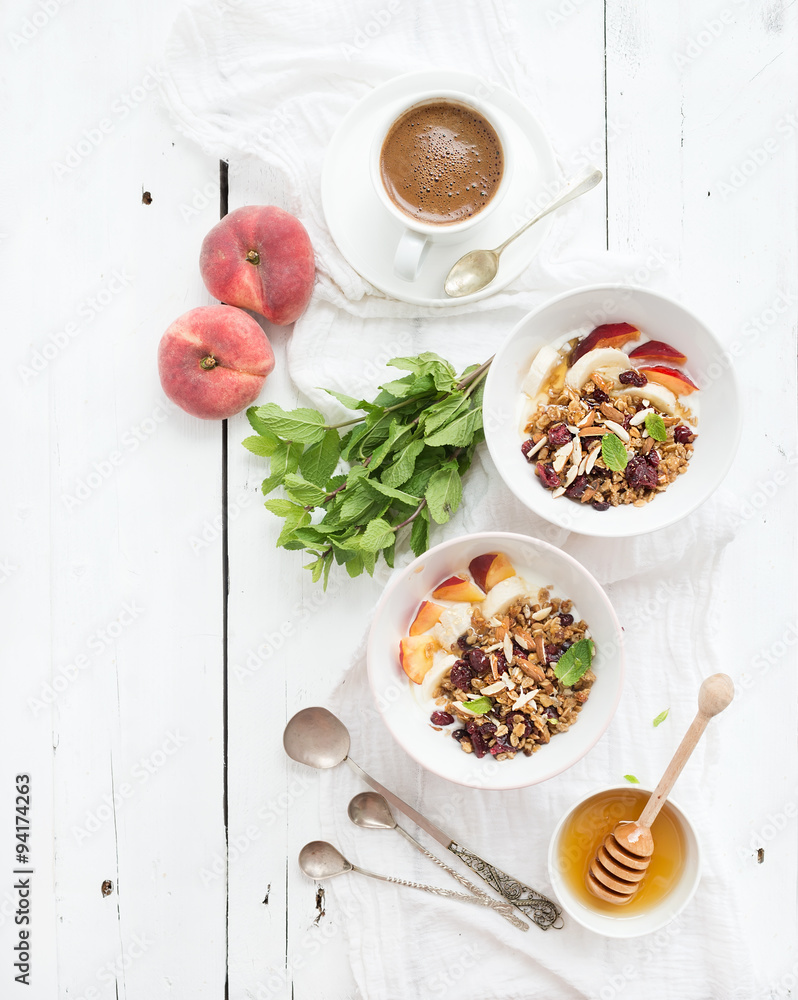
column 712, row 140
column 114, row 476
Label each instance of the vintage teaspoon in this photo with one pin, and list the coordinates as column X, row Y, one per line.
column 478, row 268
column 320, row 860
column 317, row 738
column 370, row 811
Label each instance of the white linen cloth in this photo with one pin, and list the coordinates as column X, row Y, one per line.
column 273, row 80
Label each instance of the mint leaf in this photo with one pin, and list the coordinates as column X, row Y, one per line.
column 403, row 464
column 318, row 462
column 259, row 425
column 661, row 717
column 632, row 779
column 479, row 706
column 439, row 414
column 443, row 375
column 419, row 533
column 284, row 460
column 613, row 452
column 263, row 446
column 574, row 662
column 349, row 401
column 655, row 426
column 459, row 433
column 302, row 424
column 378, row 535
column 305, row 493
column 444, row 492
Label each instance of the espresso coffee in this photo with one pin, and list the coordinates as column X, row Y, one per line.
column 441, row 162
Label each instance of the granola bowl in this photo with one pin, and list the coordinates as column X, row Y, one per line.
column 495, row 660
column 612, row 411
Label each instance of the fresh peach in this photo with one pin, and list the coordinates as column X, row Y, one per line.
column 415, row 656
column 672, row 379
column 429, row 614
column 490, row 569
column 458, row 589
column 260, row 258
column 608, row 335
column 658, row 350
column 213, row 361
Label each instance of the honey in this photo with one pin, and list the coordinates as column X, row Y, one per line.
column 585, row 830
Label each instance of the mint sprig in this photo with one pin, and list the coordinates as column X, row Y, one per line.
column 399, row 463
column 613, row 452
column 479, row 706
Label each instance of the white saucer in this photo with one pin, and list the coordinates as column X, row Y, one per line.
column 367, row 235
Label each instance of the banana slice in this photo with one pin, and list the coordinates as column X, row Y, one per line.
column 541, row 369
column 500, row 597
column 607, row 361
column 454, row 621
column 659, row 395
column 441, row 663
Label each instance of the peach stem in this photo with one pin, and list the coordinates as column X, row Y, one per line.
column 208, row 362
column 253, row 257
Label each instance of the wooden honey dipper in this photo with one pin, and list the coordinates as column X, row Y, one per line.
column 623, row 859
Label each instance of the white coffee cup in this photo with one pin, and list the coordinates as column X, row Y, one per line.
column 418, row 237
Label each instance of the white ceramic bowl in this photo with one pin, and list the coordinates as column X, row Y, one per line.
column 660, row 318
column 397, row 698
column 625, row 925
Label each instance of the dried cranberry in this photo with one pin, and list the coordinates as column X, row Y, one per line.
column 478, row 661
column 653, row 458
column 518, row 650
column 502, row 745
column 632, row 377
column 565, row 645
column 559, row 435
column 577, row 488
column 526, row 447
column 566, row 620
column 551, row 712
column 513, row 718
column 477, row 742
column 552, row 652
column 548, row 476
column 461, row 735
column 599, row 505
column 487, row 730
column 640, row 474
column 462, row 642
column 501, row 662
column 441, row 719
column 682, row 434
column 460, row 676
column 599, row 396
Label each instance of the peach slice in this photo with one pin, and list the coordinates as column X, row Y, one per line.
column 415, row 656
column 458, row 589
column 672, row 379
column 658, row 350
column 429, row 614
column 490, row 569
column 608, row 335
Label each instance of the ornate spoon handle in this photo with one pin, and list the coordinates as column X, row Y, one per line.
column 504, row 908
column 434, row 889
column 532, row 904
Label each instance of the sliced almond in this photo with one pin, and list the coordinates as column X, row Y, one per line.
column 609, row 411
column 525, row 698
column 588, row 420
column 572, row 472
column 592, row 458
column 622, row 432
column 592, row 431
column 640, row 416
column 494, row 688
column 558, row 492
column 533, row 451
column 539, row 616
column 521, row 641
column 508, row 649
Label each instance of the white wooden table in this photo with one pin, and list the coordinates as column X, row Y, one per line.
column 148, row 621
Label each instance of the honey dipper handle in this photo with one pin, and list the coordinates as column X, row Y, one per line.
column 715, row 694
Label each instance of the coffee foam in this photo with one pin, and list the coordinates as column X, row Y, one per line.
column 441, row 162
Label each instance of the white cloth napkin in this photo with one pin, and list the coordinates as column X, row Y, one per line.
column 273, row 80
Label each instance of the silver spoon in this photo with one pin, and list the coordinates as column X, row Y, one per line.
column 370, row 811
column 320, row 860
column 317, row 738
column 478, row 268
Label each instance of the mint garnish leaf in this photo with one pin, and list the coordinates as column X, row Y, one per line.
column 632, row 779
column 479, row 706
column 613, row 452
column 574, row 662
column 661, row 717
column 655, row 426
